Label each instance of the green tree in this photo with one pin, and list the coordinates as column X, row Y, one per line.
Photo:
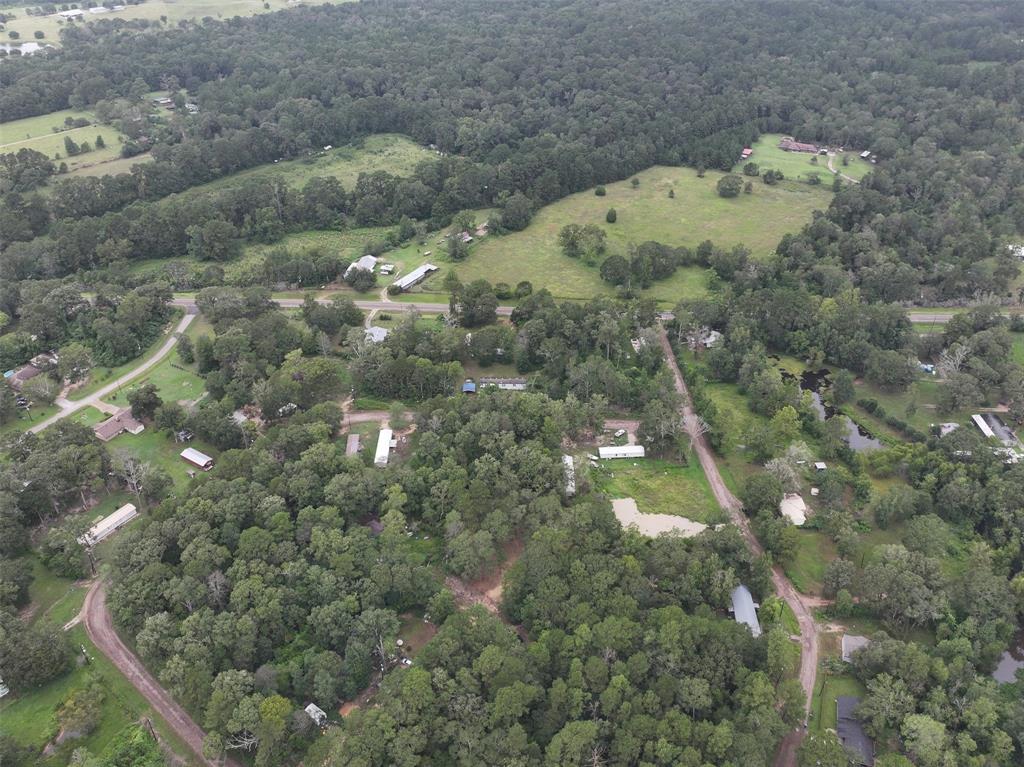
column 74, row 362
column 729, row 185
column 144, row 400
column 823, row 750
column 611, row 216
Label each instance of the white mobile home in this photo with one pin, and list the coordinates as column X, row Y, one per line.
column 982, row 424
column 570, row 475
column 380, row 458
column 621, row 451
column 416, row 275
column 109, row 525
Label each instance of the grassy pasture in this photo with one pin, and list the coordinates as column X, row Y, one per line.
column 696, row 214
column 160, row 450
column 660, row 487
column 153, row 10
column 37, row 133
column 798, row 165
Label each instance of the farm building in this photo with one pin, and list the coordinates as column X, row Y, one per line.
column 705, row 338
column 366, row 263
column 621, row 451
column 851, row 643
column 74, row 13
column 789, row 145
column 375, row 334
column 793, row 508
column 506, row 384
column 851, row 733
column 380, row 458
column 109, row 525
column 415, row 276
column 744, row 609
column 122, row 421
column 570, row 475
column 196, row 458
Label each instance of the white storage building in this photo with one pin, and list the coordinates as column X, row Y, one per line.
column 109, row 525
column 621, row 451
column 570, row 475
column 380, row 458
column 415, row 276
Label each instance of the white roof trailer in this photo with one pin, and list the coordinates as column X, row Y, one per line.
column 983, row 425
column 380, row 458
column 109, row 525
column 416, row 275
column 570, row 474
column 622, row 451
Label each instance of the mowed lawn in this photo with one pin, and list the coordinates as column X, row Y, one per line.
column 660, row 487
column 153, row 10
column 158, row 449
column 697, row 213
column 37, row 133
column 799, row 165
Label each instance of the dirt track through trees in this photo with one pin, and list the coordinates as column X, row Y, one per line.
column 786, row 756
column 100, row 628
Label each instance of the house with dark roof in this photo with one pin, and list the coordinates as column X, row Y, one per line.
column 851, row 733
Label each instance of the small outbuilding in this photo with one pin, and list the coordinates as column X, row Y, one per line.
column 793, row 508
column 851, row 732
column 352, row 444
column 317, row 714
column 383, row 452
column 469, row 386
column 109, row 525
column 196, row 458
column 744, row 609
column 851, row 643
column 621, row 451
column 820, row 466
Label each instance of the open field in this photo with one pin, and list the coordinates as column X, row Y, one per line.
column 174, row 381
column 798, row 165
column 807, row 569
column 696, row 214
column 1018, row 348
column 25, row 420
column 389, row 152
column 37, row 133
column 172, row 11
column 660, row 487
column 110, row 167
column 160, row 450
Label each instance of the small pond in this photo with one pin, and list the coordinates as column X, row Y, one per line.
column 817, row 381
column 1011, row 660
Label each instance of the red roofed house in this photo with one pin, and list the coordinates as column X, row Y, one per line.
column 789, row 145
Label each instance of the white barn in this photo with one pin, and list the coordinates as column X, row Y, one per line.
column 416, row 275
column 366, row 263
column 621, row 451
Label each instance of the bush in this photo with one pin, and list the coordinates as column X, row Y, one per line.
column 600, row 191
column 729, row 185
column 524, row 288
column 611, row 216
column 502, row 290
column 39, row 34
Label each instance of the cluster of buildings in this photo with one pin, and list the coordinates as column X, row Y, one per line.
column 38, row 365
column 469, row 386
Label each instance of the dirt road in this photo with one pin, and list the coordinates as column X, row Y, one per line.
column 100, row 628
column 68, row 407
column 831, row 167
column 730, row 503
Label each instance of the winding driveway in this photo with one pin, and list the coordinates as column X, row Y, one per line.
column 69, row 407
column 100, row 628
column 786, row 756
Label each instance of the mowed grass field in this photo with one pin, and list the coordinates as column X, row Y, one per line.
column 153, row 10
column 696, row 214
column 798, row 165
column 660, row 487
column 37, row 133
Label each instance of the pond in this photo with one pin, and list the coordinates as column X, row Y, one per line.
column 1011, row 660
column 817, row 381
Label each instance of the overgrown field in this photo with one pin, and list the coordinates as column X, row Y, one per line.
column 695, row 214
column 660, row 487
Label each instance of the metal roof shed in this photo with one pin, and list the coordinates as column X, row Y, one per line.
column 193, row 456
column 380, row 457
column 744, row 609
column 570, row 474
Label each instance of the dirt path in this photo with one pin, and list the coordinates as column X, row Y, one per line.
column 100, row 628
column 841, row 175
column 808, row 629
column 68, row 407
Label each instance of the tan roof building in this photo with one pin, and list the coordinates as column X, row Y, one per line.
column 122, row 421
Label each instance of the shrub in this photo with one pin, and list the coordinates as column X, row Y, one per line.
column 600, row 191
column 611, row 216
